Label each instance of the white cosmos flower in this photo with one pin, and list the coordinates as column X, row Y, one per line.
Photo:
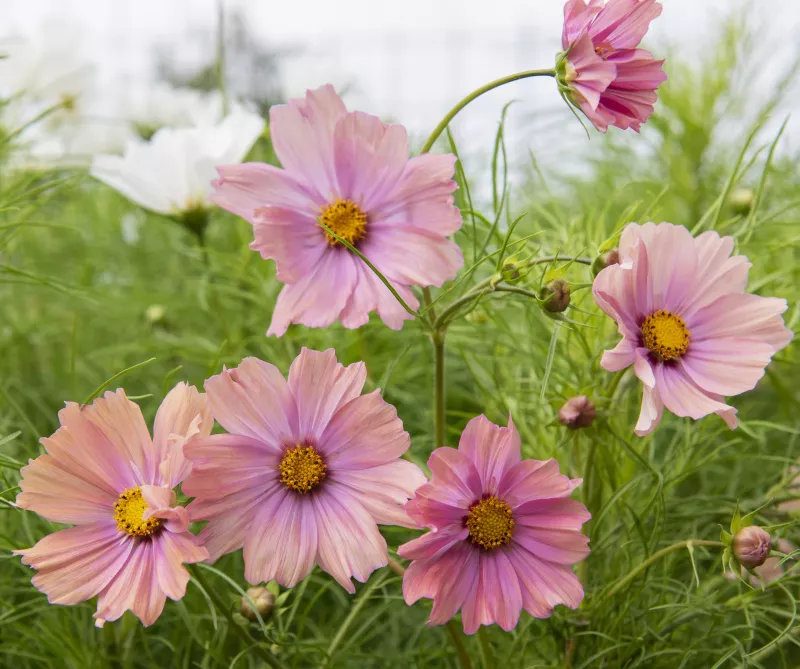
column 172, row 173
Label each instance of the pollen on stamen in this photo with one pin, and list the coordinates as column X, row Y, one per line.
column 490, row 523
column 128, row 512
column 665, row 335
column 345, row 219
column 302, row 469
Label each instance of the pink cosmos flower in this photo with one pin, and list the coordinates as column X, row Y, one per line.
column 309, row 469
column 602, row 71
column 688, row 328
column 103, row 474
column 503, row 533
column 352, row 172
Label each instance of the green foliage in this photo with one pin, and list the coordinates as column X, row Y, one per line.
column 78, row 304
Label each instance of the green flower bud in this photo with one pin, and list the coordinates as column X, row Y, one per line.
column 264, row 602
column 602, row 261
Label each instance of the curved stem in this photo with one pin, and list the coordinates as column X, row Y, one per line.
column 439, row 129
column 232, row 624
column 655, row 557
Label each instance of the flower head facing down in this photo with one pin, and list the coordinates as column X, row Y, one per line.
column 103, row 474
column 503, row 533
column 309, row 469
column 601, row 70
column 688, row 328
column 172, row 172
column 350, row 171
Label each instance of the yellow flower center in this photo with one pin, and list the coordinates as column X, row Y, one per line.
column 302, row 469
column 346, row 220
column 128, row 512
column 490, row 523
column 666, row 335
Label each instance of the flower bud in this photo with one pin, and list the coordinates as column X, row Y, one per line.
column 604, row 260
column 555, row 296
column 264, row 602
column 751, row 546
column 514, row 269
column 742, row 200
column 577, row 412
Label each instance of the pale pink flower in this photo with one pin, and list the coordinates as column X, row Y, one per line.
column 103, row 474
column 688, row 328
column 351, row 171
column 308, row 470
column 602, row 70
column 503, row 533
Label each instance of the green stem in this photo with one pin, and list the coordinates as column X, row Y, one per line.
column 439, row 400
column 439, row 129
column 455, row 637
column 655, row 557
column 232, row 624
column 486, row 647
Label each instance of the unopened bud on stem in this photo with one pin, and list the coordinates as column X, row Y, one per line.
column 577, row 412
column 264, row 602
column 555, row 296
column 604, row 260
column 751, row 546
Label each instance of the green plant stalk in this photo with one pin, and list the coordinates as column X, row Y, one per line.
column 439, row 129
column 439, row 394
column 232, row 624
column 655, row 557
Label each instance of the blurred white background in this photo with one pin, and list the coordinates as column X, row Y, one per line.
column 406, row 61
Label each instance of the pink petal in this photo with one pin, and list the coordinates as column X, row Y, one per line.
column 623, row 355
column 544, row 585
column 162, row 503
column 363, row 433
column 282, row 540
column 497, row 597
column 620, row 292
column 637, row 70
column 493, row 449
column 230, row 518
column 433, row 543
column 370, row 156
column 651, row 412
column 455, row 478
column 227, row 463
column 77, row 563
column 122, row 423
column 81, row 449
column 412, row 256
column 557, row 514
column 370, row 294
column 241, row 189
column 321, row 386
column 56, row 494
column 294, row 240
column 457, row 581
column 577, row 16
column 589, row 74
column 672, row 267
column 423, row 197
column 750, row 317
column 135, row 588
column 682, row 396
column 624, row 23
column 643, row 368
column 254, row 400
column 349, row 543
column 183, row 415
column 558, row 546
column 170, row 552
column 534, row 479
column 383, row 490
column 727, row 366
column 302, row 135
column 319, row 298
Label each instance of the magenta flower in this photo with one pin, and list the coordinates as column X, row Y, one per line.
column 601, row 70
column 309, row 469
column 503, row 533
column 688, row 328
column 103, row 474
column 352, row 172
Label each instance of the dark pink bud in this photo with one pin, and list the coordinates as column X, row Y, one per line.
column 577, row 412
column 751, row 546
column 555, row 296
